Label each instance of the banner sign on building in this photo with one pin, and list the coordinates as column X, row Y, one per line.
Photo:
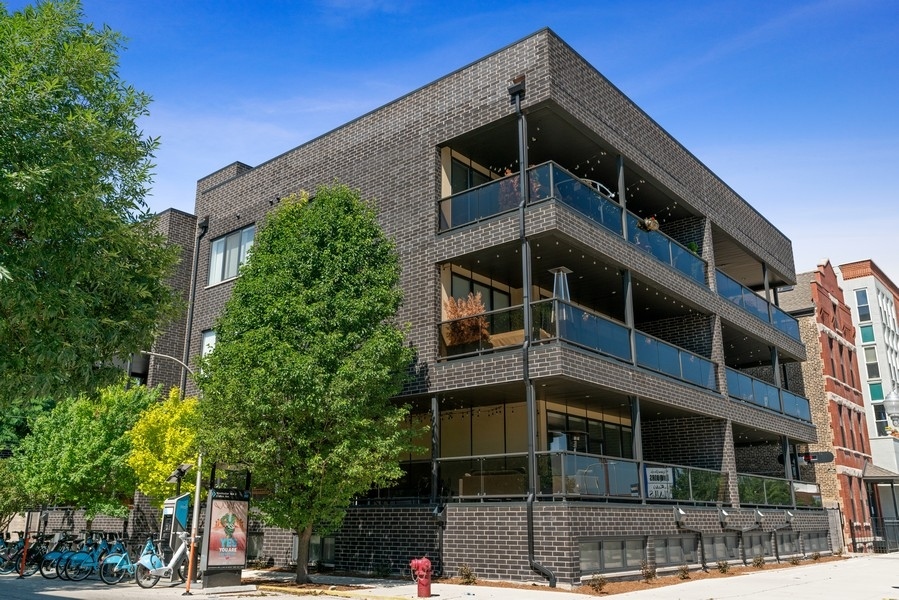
column 658, row 482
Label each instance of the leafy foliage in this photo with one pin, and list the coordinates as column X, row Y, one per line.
column 464, row 331
column 12, row 498
column 162, row 439
column 76, row 454
column 83, row 265
column 298, row 387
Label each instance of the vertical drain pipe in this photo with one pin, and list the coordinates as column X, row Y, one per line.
column 516, row 92
column 202, row 228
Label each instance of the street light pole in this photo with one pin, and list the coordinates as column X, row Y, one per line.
column 195, row 524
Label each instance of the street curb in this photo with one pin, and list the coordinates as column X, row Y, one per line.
column 336, row 593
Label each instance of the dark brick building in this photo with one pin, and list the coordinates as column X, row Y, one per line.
column 629, row 322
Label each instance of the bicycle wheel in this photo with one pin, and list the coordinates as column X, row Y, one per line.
column 32, row 564
column 9, row 563
column 185, row 563
column 80, row 565
column 61, row 564
column 111, row 569
column 144, row 578
column 48, row 565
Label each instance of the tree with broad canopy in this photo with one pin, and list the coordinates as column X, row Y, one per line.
column 307, row 358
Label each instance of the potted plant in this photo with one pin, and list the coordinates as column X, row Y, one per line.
column 461, row 330
column 649, row 224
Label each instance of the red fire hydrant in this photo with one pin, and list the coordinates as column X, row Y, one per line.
column 421, row 573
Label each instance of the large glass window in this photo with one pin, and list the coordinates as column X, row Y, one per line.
column 861, row 301
column 721, row 547
column 228, row 253
column 463, row 177
column 675, row 550
column 493, row 298
column 757, row 544
column 576, row 433
column 612, row 554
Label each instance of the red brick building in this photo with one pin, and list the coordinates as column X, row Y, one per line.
column 833, row 386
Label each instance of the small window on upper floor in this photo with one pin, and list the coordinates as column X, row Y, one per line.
column 228, row 253
column 867, row 333
column 208, row 342
column 861, row 301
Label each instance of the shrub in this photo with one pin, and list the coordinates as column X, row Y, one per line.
column 462, row 330
column 683, row 572
column 648, row 571
column 795, row 559
column 816, row 556
column 723, row 566
column 758, row 561
column 466, row 574
column 597, row 582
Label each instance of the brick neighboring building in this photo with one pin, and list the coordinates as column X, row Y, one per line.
column 874, row 300
column 639, row 340
column 833, row 386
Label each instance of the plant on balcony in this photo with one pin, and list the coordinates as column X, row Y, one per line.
column 893, row 431
column 462, row 330
column 648, row 224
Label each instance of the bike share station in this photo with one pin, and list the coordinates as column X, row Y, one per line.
column 175, row 521
column 224, row 548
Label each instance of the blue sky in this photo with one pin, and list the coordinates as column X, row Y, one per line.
column 793, row 104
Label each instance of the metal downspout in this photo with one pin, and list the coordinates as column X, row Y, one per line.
column 516, row 91
column 202, row 228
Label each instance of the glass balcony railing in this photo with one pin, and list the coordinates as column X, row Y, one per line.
column 807, row 494
column 796, row 406
column 685, row 484
column 482, row 333
column 559, row 319
column 500, row 475
column 754, row 304
column 575, row 474
column 670, row 360
column 574, row 193
column 665, row 249
column 764, row 491
column 761, row 393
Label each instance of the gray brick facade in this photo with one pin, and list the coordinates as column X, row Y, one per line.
column 409, row 158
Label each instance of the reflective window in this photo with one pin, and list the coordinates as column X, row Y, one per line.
column 228, row 253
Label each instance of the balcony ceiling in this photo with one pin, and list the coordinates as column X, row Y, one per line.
column 555, row 135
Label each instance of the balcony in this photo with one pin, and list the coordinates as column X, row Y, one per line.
column 665, row 358
column 580, row 476
column 749, row 389
column 665, row 250
column 550, row 182
column 557, row 319
column 755, row 490
column 756, row 305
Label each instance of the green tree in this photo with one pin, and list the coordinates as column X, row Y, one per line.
column 163, row 438
column 77, row 453
column 307, row 358
column 83, row 267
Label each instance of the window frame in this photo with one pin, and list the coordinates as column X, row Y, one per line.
column 227, row 253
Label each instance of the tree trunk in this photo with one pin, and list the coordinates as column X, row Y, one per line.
column 303, row 554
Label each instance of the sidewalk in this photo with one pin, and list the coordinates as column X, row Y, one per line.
column 861, row 577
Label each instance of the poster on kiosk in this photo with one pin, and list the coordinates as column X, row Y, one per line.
column 225, row 534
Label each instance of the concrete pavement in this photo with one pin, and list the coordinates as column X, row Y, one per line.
column 862, row 577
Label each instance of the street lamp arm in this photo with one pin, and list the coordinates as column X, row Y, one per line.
column 177, row 360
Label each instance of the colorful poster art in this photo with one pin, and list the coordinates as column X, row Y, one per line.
column 227, row 523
